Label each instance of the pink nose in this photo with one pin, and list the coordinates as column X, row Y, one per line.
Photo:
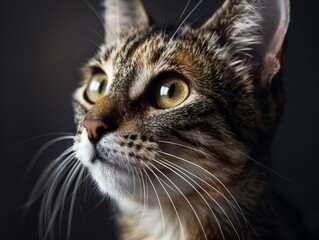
column 96, row 129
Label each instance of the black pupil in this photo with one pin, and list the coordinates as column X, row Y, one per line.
column 102, row 83
column 171, row 90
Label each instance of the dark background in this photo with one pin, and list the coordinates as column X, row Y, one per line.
column 44, row 43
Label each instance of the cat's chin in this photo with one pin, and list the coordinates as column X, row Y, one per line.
column 120, row 184
column 110, row 177
column 119, row 176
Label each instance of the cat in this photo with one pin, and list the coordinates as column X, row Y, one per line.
column 175, row 123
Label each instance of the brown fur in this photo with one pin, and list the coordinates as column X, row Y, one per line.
column 222, row 128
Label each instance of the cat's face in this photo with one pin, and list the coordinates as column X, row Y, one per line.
column 157, row 106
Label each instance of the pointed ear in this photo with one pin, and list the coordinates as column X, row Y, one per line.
column 121, row 14
column 256, row 28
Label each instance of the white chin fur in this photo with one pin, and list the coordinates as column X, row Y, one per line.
column 118, row 184
column 109, row 181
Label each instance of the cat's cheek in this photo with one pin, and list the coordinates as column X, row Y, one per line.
column 84, row 149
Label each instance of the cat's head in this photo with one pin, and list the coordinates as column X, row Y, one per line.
column 161, row 104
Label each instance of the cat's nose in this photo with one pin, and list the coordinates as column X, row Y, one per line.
column 95, row 128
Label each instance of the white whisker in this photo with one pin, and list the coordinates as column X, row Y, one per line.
column 38, row 188
column 20, row 144
column 144, row 203
column 232, row 206
column 172, row 170
column 181, row 170
column 61, row 198
column 41, row 151
column 93, row 42
column 54, row 179
column 237, row 208
column 188, row 15
column 206, row 171
column 72, row 204
column 185, row 8
column 100, row 20
column 133, row 170
column 265, row 167
column 188, row 147
column 158, row 199
column 173, row 205
column 96, row 32
column 183, row 195
column 49, row 216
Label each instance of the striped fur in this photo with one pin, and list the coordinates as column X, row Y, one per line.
column 188, row 172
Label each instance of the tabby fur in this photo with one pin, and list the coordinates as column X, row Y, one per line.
column 194, row 171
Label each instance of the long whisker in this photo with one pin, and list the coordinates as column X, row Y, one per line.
column 35, row 138
column 72, row 204
column 188, row 15
column 258, row 163
column 206, row 171
column 57, row 178
column 131, row 195
column 172, row 170
column 185, row 8
column 188, row 147
column 232, row 206
column 38, row 188
column 140, row 185
column 40, row 152
column 265, row 167
column 51, row 183
column 46, row 212
column 220, row 182
column 93, row 42
column 144, row 203
column 134, row 180
column 181, row 170
column 100, row 19
column 96, row 32
column 64, row 190
column 191, row 206
column 170, row 198
column 158, row 199
column 205, row 154
column 202, row 180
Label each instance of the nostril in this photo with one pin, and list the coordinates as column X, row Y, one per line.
column 95, row 129
column 101, row 130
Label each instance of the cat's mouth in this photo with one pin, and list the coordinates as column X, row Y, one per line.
column 115, row 165
column 119, row 165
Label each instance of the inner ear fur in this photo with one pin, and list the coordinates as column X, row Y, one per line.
column 254, row 30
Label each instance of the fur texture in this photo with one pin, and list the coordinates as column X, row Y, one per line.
column 192, row 171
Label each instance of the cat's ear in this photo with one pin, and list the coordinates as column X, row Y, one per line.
column 255, row 28
column 120, row 14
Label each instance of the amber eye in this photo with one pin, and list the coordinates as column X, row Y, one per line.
column 96, row 87
column 171, row 92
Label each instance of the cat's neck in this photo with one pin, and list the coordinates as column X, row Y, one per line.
column 140, row 222
column 204, row 215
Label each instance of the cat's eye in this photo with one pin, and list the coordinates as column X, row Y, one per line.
column 96, row 87
column 171, row 92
